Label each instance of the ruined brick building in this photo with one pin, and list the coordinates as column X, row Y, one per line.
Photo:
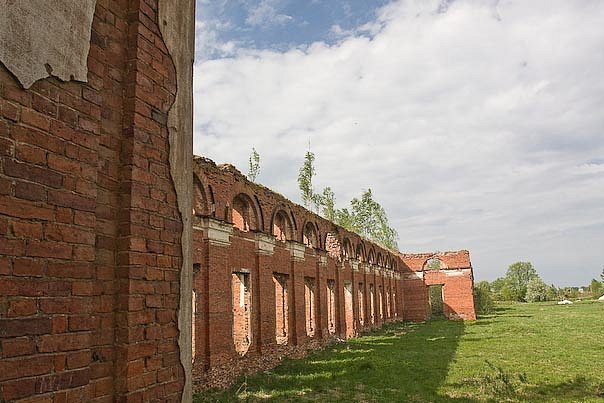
column 110, row 288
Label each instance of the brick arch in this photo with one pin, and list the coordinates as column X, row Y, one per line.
column 244, row 214
column 379, row 260
column 371, row 256
column 360, row 252
column 282, row 225
column 346, row 249
column 200, row 200
column 434, row 263
column 310, row 235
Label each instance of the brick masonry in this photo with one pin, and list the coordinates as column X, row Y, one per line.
column 90, row 249
column 336, row 283
column 91, row 243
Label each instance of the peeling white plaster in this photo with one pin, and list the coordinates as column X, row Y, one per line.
column 40, row 38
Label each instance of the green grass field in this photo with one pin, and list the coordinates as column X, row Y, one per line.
column 538, row 352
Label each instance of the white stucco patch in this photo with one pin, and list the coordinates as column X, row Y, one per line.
column 39, row 38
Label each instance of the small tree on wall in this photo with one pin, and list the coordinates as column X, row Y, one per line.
column 254, row 165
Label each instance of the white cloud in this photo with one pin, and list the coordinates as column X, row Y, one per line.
column 266, row 13
column 479, row 127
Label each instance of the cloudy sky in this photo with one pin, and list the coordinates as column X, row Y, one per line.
column 477, row 124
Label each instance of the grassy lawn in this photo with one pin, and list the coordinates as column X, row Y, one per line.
column 523, row 352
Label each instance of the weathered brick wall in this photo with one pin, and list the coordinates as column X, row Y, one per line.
column 277, row 243
column 245, row 227
column 89, row 230
column 90, row 240
column 455, row 275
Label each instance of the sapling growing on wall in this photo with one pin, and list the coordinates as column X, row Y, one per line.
column 254, row 165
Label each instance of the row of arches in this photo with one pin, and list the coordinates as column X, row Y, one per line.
column 245, row 213
column 367, row 255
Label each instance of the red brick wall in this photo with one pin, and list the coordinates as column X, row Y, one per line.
column 371, row 285
column 277, row 244
column 89, row 229
column 457, row 279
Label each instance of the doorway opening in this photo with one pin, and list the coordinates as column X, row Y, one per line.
column 436, row 301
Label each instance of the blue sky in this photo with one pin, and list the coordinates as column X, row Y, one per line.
column 280, row 24
column 478, row 124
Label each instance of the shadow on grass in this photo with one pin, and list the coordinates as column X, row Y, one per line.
column 579, row 388
column 401, row 362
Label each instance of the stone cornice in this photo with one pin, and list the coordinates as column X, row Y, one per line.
column 265, row 244
column 297, row 250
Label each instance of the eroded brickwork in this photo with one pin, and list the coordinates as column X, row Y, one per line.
column 456, row 276
column 91, row 252
column 310, row 280
column 89, row 230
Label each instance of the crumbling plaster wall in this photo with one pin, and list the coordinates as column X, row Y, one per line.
column 177, row 24
column 94, row 199
column 40, row 38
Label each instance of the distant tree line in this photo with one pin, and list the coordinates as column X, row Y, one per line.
column 522, row 283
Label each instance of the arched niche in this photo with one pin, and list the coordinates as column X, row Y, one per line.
column 310, row 235
column 346, row 250
column 371, row 257
column 360, row 252
column 244, row 215
column 200, row 200
column 281, row 225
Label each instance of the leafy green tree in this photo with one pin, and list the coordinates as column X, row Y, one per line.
column 328, row 202
column 483, row 298
column 368, row 218
column 596, row 288
column 516, row 280
column 602, row 275
column 305, row 175
column 254, row 165
column 552, row 293
column 496, row 287
column 536, row 290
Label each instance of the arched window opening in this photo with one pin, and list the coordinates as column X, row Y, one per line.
column 243, row 214
column 281, row 226
column 310, row 237
column 200, row 201
column 346, row 250
column 360, row 252
column 434, row 264
column 371, row 257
